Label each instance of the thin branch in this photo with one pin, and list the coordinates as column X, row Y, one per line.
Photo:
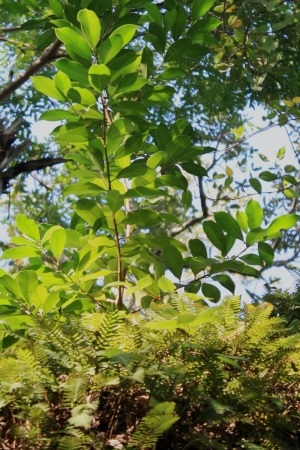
column 9, row 29
column 47, row 56
column 187, row 225
column 41, row 182
column 121, row 277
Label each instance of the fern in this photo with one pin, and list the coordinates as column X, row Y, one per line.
column 158, row 420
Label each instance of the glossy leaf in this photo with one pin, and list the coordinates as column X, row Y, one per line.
column 165, row 284
column 47, row 87
column 28, row 282
column 57, row 114
column 201, row 7
column 216, row 236
column 90, row 26
column 143, row 217
column 255, row 183
column 197, row 248
column 114, row 200
column 57, row 242
column 73, row 69
column 268, row 176
column 283, row 222
column 211, row 292
column 226, row 281
column 174, row 260
column 19, row 253
column 99, row 76
column 75, row 42
column 28, row 227
column 242, row 220
column 89, row 210
column 266, row 252
column 233, row 266
column 254, row 213
column 229, row 224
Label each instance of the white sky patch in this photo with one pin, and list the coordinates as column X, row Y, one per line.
column 42, row 129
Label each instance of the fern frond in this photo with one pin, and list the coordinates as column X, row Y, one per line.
column 153, row 425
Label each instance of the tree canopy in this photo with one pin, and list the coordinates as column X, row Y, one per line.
column 135, row 223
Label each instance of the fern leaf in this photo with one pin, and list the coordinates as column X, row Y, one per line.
column 153, row 425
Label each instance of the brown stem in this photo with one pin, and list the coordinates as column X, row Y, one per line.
column 121, row 277
column 47, row 56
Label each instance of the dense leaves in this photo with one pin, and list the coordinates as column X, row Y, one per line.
column 106, row 334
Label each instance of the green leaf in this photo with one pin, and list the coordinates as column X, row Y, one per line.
column 74, row 41
column 19, row 253
column 81, row 95
column 28, row 227
column 254, row 213
column 242, row 220
column 233, row 266
column 226, row 281
column 156, row 159
column 11, row 285
column 210, row 291
column 281, row 153
column 266, row 252
column 90, row 26
column 201, row 7
column 57, row 242
column 73, row 69
column 284, row 222
column 154, row 13
column 252, row 259
column 28, row 282
column 57, row 114
column 114, row 200
column 99, row 77
column 229, row 224
column 194, row 169
column 197, row 248
column 165, row 284
column 73, row 133
column 174, row 260
column 47, row 87
column 255, row 235
column 255, row 183
column 143, row 191
column 268, row 176
column 135, row 169
column 57, row 8
column 88, row 210
column 216, row 236
column 83, row 189
column 115, row 42
column 143, row 217
column 14, row 8
column 179, row 24
column 172, row 74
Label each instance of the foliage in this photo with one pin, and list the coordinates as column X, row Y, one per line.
column 106, row 334
column 103, row 379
